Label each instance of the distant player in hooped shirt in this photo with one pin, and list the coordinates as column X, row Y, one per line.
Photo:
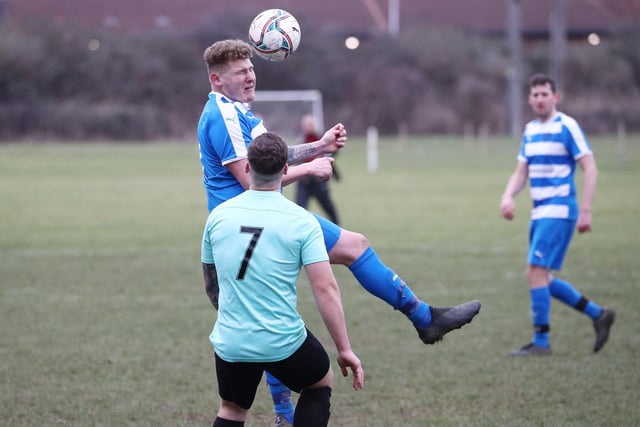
column 552, row 145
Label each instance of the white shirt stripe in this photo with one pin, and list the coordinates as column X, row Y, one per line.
column 550, row 211
column 536, row 127
column 545, row 149
column 228, row 111
column 549, row 171
column 542, row 193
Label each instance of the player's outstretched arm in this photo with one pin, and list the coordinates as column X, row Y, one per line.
column 332, row 140
column 327, row 295
column 321, row 168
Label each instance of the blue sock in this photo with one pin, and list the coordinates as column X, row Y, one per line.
column 569, row 295
column 540, row 309
column 281, row 396
column 380, row 281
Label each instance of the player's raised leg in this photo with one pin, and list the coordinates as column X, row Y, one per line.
column 353, row 250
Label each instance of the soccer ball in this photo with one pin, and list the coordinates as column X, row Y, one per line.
column 274, row 34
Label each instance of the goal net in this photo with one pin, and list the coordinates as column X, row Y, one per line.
column 282, row 111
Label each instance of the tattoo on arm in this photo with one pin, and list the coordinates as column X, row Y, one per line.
column 302, row 152
column 211, row 283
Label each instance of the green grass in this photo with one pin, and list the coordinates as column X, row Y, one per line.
column 105, row 321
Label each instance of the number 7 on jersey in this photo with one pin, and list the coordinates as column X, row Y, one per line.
column 256, row 231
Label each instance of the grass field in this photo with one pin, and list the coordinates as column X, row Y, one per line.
column 104, row 320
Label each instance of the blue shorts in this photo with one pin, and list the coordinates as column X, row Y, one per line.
column 330, row 231
column 548, row 242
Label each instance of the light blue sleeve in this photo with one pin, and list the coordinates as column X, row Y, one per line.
column 206, row 255
column 313, row 249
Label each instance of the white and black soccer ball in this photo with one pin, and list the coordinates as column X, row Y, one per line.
column 274, row 34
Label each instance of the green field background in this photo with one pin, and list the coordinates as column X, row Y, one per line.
column 104, row 319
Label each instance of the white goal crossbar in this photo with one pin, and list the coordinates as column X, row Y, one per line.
column 311, row 97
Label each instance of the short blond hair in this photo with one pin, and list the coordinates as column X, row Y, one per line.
column 222, row 52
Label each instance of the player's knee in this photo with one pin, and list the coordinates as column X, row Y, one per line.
column 358, row 244
column 313, row 408
column 538, row 276
column 327, row 380
column 320, row 395
column 349, row 248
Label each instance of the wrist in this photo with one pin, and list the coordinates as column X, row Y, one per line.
column 308, row 170
column 343, row 346
column 325, row 147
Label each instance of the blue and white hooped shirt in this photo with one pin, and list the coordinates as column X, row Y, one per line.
column 551, row 150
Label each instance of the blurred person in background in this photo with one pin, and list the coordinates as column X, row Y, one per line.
column 311, row 186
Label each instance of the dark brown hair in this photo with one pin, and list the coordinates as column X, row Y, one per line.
column 267, row 154
column 541, row 80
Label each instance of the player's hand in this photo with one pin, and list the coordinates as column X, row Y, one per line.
column 584, row 222
column 348, row 360
column 507, row 207
column 321, row 168
column 334, row 139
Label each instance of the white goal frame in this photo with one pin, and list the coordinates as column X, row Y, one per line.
column 288, row 125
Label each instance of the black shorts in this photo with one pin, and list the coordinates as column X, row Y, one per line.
column 238, row 381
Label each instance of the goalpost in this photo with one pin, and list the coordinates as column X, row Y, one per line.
column 282, row 111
